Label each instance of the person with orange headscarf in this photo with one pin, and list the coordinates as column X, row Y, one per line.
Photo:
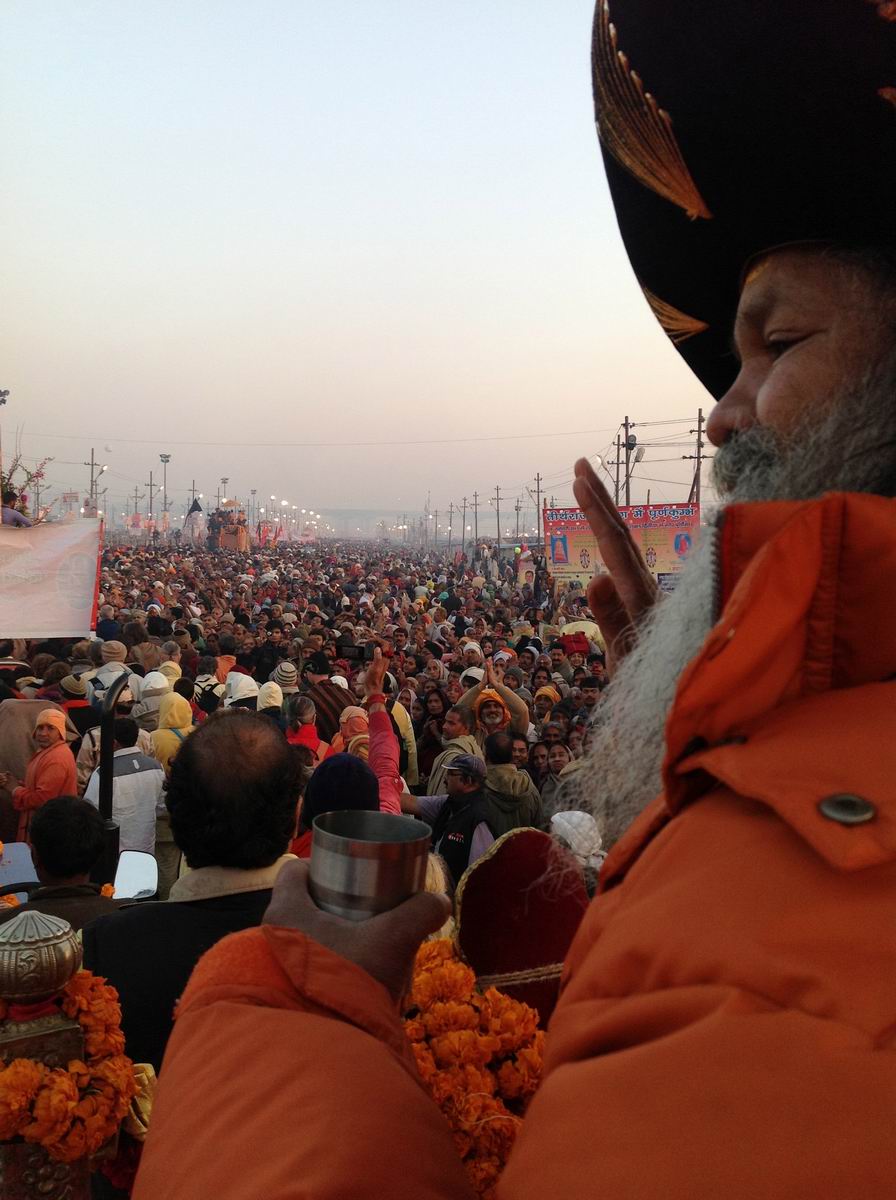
column 50, row 773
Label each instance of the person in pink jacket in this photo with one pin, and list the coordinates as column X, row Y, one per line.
column 345, row 781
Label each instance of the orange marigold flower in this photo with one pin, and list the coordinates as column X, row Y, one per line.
column 108, row 890
column 414, row 1029
column 447, row 1016
column 450, row 981
column 19, row 1084
column 71, row 1147
column 513, row 1023
column 53, row 1109
column 463, row 1046
column 426, row 1064
column 10, row 899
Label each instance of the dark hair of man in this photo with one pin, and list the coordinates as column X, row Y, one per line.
column 464, row 715
column 9, row 497
column 184, row 687
column 207, row 665
column 67, row 836
column 227, row 644
column 233, row 791
column 125, row 731
column 134, row 634
column 498, row 748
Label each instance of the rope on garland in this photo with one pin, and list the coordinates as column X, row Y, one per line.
column 517, row 978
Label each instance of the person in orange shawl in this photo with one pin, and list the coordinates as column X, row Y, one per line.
column 725, row 1025
column 50, row 773
column 494, row 706
column 354, row 733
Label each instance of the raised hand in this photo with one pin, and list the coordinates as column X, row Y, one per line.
column 621, row 599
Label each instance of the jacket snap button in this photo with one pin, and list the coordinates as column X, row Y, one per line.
column 846, row 809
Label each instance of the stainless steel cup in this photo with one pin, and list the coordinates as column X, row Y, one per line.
column 364, row 863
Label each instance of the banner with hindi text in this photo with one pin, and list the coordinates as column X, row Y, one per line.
column 664, row 533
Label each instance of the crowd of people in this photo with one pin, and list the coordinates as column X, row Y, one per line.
column 724, row 1024
column 474, row 672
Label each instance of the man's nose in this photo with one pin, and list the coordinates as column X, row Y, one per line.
column 735, row 410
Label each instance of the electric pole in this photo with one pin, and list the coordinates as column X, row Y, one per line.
column 538, row 506
column 450, row 524
column 694, row 494
column 137, row 498
column 152, row 488
column 94, row 475
column 463, row 529
column 628, row 459
column 436, row 532
column 498, row 516
column 476, row 517
column 618, row 462
column 253, row 514
column 518, row 506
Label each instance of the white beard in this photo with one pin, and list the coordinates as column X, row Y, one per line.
column 621, row 769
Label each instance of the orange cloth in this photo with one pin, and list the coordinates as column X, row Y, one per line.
column 226, row 663
column 490, row 694
column 50, row 773
column 726, row 1021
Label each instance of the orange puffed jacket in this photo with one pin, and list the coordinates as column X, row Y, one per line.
column 728, row 1015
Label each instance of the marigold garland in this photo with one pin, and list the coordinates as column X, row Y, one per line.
column 479, row 1055
column 72, row 1112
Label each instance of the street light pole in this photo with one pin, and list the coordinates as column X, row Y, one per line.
column 166, row 459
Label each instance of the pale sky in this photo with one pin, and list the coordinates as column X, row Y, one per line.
column 233, row 230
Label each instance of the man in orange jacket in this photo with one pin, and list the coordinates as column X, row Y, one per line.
column 725, row 1027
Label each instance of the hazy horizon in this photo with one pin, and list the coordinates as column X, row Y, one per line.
column 347, row 256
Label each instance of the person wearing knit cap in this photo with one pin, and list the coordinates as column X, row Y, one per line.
column 286, row 677
column 342, row 782
column 113, row 655
column 50, row 772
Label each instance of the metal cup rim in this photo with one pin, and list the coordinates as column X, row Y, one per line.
column 396, row 830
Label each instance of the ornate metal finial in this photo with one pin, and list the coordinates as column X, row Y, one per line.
column 38, row 956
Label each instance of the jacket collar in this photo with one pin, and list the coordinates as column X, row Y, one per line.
column 207, row 882
column 806, row 593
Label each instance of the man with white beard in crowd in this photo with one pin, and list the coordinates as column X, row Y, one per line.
column 725, row 1027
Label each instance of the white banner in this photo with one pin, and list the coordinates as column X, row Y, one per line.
column 48, row 579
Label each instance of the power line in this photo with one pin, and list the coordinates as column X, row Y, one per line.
column 496, row 437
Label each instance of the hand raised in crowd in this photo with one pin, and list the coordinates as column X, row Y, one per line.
column 621, row 599
column 375, row 674
column 490, row 679
column 384, row 946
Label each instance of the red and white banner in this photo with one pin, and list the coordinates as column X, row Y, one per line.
column 48, row 579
